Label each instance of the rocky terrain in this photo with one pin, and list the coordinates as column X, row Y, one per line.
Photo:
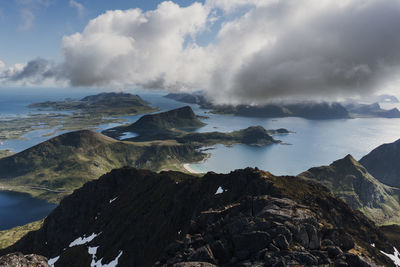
column 249, row 217
column 20, row 260
column 350, row 181
column 382, row 163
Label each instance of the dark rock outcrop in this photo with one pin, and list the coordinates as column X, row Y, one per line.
column 245, row 218
column 383, row 163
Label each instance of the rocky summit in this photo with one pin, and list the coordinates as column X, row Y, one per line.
column 248, row 217
column 20, row 260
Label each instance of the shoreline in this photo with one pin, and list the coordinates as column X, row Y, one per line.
column 187, row 167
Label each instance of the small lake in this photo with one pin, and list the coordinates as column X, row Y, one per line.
column 19, row 209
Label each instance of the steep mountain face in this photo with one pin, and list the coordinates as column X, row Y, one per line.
column 249, row 217
column 383, row 163
column 181, row 118
column 350, row 181
column 56, row 167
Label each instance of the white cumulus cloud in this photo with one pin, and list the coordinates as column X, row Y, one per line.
column 263, row 50
column 132, row 46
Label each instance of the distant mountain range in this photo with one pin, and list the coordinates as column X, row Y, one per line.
column 249, row 217
column 308, row 110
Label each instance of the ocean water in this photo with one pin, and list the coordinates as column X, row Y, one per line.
column 311, row 143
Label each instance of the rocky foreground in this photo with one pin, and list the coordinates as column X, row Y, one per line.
column 249, row 217
column 20, row 260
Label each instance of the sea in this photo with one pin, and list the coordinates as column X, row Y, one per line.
column 311, row 142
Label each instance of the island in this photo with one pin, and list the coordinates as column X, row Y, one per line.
column 73, row 115
column 104, row 104
column 162, row 125
column 54, row 168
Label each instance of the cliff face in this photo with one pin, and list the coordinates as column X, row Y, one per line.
column 350, row 181
column 248, row 217
column 383, row 163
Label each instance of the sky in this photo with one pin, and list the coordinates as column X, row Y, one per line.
column 34, row 28
column 235, row 51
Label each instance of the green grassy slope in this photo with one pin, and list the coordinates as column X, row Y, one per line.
column 349, row 180
column 10, row 236
column 56, row 167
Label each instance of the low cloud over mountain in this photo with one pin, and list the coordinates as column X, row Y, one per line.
column 236, row 51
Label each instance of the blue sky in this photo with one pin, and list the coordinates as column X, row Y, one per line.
column 52, row 20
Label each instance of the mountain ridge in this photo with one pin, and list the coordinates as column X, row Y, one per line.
column 143, row 218
column 350, row 181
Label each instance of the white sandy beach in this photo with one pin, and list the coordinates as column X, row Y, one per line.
column 189, row 169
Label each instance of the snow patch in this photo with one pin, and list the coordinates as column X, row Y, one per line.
column 82, row 240
column 52, row 261
column 394, row 257
column 219, row 191
column 112, row 200
column 93, row 250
